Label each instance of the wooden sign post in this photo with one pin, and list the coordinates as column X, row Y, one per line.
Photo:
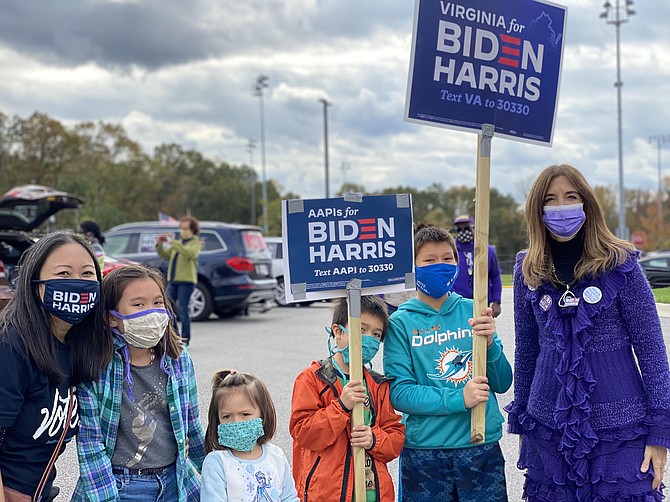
column 480, row 286
column 356, row 373
column 326, row 246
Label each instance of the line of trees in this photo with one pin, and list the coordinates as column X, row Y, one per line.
column 122, row 183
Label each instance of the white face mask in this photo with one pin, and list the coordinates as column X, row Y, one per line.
column 143, row 329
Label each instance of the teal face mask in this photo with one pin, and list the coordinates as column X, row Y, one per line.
column 240, row 436
column 369, row 346
column 334, row 350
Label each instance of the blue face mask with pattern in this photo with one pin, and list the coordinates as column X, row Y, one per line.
column 240, row 436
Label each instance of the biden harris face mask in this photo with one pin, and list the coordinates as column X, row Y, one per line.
column 70, row 300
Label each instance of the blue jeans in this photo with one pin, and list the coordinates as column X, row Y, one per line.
column 150, row 487
column 180, row 294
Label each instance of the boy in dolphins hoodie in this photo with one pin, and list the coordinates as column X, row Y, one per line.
column 428, row 356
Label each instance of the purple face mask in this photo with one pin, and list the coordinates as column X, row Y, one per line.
column 564, row 221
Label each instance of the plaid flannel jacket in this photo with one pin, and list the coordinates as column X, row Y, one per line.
column 99, row 411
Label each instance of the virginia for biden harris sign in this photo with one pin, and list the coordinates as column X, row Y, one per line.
column 330, row 242
column 477, row 62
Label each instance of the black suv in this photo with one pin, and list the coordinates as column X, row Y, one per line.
column 234, row 266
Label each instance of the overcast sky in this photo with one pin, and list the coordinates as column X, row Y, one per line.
column 182, row 71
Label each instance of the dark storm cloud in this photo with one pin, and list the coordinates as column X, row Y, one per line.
column 147, row 34
column 152, row 34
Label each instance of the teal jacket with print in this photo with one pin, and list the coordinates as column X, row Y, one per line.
column 428, row 357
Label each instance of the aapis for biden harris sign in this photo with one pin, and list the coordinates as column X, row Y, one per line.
column 329, row 242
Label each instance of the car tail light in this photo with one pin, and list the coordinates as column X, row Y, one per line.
column 240, row 264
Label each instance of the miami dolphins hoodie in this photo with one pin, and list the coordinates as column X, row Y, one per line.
column 428, row 357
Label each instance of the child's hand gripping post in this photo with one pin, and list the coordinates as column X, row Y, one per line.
column 353, row 393
column 356, row 374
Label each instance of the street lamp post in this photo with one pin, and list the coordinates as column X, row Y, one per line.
column 326, row 104
column 618, row 15
column 346, row 166
column 250, row 147
column 660, row 140
column 260, row 84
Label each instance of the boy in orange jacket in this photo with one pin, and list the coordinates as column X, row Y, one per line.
column 323, row 397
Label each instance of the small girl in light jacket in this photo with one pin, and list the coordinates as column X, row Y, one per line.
column 241, row 465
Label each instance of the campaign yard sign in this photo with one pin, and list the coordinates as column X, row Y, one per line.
column 477, row 62
column 330, row 242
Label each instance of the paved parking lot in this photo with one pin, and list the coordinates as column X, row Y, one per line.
column 276, row 346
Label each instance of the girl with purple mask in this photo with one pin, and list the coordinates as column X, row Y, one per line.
column 141, row 436
column 591, row 379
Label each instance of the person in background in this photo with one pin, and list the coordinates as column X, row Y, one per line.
column 591, row 378
column 91, row 231
column 428, row 357
column 51, row 339
column 140, row 432
column 182, row 273
column 465, row 243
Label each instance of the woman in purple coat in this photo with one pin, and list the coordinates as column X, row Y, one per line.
column 591, row 379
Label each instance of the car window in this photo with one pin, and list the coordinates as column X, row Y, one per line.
column 275, row 249
column 657, row 262
column 211, row 241
column 147, row 243
column 254, row 244
column 119, row 244
column 253, row 241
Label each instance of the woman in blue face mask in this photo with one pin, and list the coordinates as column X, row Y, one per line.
column 592, row 385
column 51, row 339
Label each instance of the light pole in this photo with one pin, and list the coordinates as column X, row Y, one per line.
column 326, row 104
column 250, row 147
column 260, row 84
column 346, row 166
column 660, row 140
column 618, row 15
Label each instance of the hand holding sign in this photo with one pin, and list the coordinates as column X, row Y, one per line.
column 352, row 394
column 476, row 391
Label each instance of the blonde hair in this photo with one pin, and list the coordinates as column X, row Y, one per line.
column 602, row 250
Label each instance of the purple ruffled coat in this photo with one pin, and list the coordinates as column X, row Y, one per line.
column 585, row 408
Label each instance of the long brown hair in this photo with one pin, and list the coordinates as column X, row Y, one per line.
column 90, row 346
column 224, row 384
column 116, row 282
column 602, row 249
